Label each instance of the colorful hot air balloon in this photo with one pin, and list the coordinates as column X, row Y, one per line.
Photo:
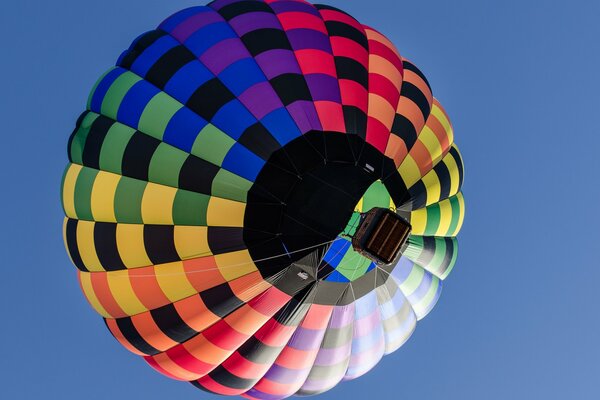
column 217, row 188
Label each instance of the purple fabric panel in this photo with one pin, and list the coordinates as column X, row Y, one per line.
column 341, row 316
column 284, row 375
column 260, row 99
column 305, row 115
column 223, row 54
column 362, row 363
column 287, row 6
column 218, row 4
column 333, row 356
column 252, row 21
column 194, row 23
column 323, row 87
column 306, row 339
column 309, row 39
column 277, row 62
column 257, row 394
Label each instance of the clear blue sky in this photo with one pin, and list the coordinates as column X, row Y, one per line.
column 518, row 318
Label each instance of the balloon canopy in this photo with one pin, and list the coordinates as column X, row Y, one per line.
column 218, row 177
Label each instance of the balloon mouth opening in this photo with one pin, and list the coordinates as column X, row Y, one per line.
column 307, row 192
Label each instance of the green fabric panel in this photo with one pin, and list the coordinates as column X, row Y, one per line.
column 415, row 248
column 165, row 165
column 212, row 145
column 78, row 142
column 115, row 94
column 128, row 200
column 190, row 208
column 83, row 193
column 453, row 260
column 376, row 196
column 353, row 265
column 157, row 114
column 230, row 186
column 91, row 95
column 352, row 225
column 430, row 295
column 455, row 214
column 113, row 148
column 413, row 280
column 433, row 219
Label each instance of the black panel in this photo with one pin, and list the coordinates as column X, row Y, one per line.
column 350, row 69
column 290, row 88
column 428, row 252
column 396, row 188
column 132, row 335
column 94, row 141
column 257, row 352
column 405, row 130
column 414, row 93
column 227, row 379
column 411, row 67
column 355, row 120
column 261, row 40
column 197, row 175
column 137, row 156
column 335, row 28
column 171, row 324
column 418, row 195
column 221, row 300
column 243, row 7
column 143, row 42
column 444, row 177
column 71, row 239
column 72, row 137
column 225, row 240
column 168, row 65
column 454, row 152
column 160, row 243
column 105, row 242
column 258, row 140
column 208, row 99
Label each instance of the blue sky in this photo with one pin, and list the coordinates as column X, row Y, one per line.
column 518, row 317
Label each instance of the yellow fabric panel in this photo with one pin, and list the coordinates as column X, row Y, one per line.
column 85, row 244
column 122, row 292
column 157, row 204
column 409, row 171
column 88, row 291
column 173, row 281
column 461, row 218
column 418, row 221
column 441, row 116
column 223, row 212
column 445, row 218
column 130, row 243
column 191, row 241
column 68, row 195
column 103, row 197
column 433, row 187
column 359, row 206
column 235, row 264
column 432, row 144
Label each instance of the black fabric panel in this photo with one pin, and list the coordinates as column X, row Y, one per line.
column 225, row 239
column 257, row 352
column 105, row 242
column 396, row 188
column 72, row 137
column 413, row 93
column 411, row 67
column 242, row 7
column 133, row 336
column 144, row 41
column 444, row 176
column 261, row 40
column 159, row 242
column 227, row 379
column 404, row 129
column 450, row 249
column 71, row 238
column 137, row 156
column 166, row 66
column 94, row 141
column 336, row 28
column 428, row 252
column 171, row 324
column 258, row 140
column 197, row 175
column 355, row 120
column 221, row 300
column 348, row 68
column 418, row 195
column 291, row 88
column 208, row 99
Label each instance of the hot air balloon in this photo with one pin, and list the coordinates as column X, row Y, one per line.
column 262, row 197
